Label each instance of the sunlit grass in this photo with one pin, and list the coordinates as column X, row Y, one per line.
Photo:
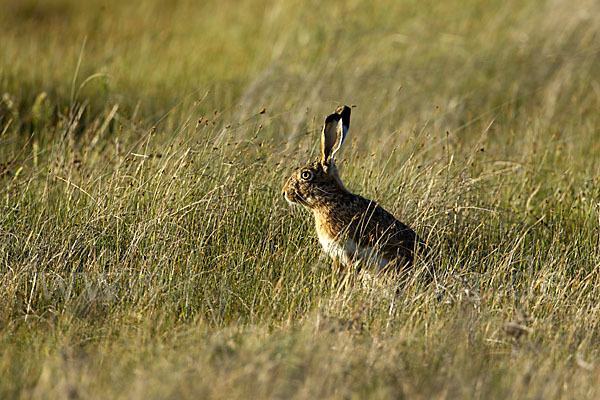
column 146, row 250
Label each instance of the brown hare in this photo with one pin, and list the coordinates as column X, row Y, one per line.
column 351, row 229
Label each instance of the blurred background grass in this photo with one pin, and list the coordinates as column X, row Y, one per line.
column 470, row 59
column 145, row 250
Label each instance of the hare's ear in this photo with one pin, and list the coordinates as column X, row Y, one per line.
column 333, row 136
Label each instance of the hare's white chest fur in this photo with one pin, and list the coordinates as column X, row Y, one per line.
column 349, row 252
column 335, row 249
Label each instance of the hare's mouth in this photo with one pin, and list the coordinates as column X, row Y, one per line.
column 290, row 202
column 295, row 200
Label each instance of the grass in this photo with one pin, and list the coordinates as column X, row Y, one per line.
column 145, row 248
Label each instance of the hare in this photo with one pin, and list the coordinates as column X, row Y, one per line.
column 351, row 229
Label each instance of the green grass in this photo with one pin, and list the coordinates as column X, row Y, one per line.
column 145, row 248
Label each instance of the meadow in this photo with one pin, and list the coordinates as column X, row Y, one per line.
column 146, row 250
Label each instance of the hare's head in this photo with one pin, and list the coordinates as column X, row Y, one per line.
column 318, row 183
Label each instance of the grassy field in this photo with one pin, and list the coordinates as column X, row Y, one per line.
column 146, row 250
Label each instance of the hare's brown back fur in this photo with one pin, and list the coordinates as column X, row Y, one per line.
column 367, row 225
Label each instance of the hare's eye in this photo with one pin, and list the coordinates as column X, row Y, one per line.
column 306, row 175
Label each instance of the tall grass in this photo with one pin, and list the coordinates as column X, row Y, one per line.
column 145, row 248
